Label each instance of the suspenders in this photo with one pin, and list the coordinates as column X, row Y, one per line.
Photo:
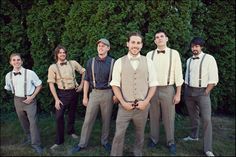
column 170, row 64
column 200, row 71
column 73, row 74
column 25, row 83
column 110, row 73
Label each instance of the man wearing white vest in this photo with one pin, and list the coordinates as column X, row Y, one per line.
column 133, row 83
column 200, row 78
column 168, row 68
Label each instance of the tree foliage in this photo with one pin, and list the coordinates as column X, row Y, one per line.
column 35, row 28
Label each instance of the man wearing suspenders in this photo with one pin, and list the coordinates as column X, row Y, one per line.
column 200, row 78
column 25, row 85
column 169, row 73
column 62, row 73
column 97, row 77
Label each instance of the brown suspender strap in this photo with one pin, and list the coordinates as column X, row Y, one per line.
column 200, row 71
column 109, row 80
column 73, row 73
column 63, row 84
column 94, row 81
column 168, row 80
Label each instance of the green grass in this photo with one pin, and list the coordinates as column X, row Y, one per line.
column 12, row 134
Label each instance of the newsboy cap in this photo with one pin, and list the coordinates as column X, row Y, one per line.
column 104, row 41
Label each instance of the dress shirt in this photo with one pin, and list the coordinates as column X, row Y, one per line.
column 18, row 82
column 161, row 62
column 116, row 75
column 66, row 73
column 101, row 72
column 209, row 71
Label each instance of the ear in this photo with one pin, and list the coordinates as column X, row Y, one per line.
column 127, row 44
column 167, row 39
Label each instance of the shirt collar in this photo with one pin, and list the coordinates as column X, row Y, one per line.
column 21, row 70
column 199, row 55
column 167, row 49
column 130, row 56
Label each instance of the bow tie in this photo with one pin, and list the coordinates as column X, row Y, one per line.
column 65, row 63
column 16, row 73
column 161, row 51
column 195, row 58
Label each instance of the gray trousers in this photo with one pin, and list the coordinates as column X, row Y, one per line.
column 98, row 99
column 197, row 103
column 139, row 119
column 27, row 114
column 162, row 107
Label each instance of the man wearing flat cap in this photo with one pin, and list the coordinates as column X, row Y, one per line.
column 97, row 77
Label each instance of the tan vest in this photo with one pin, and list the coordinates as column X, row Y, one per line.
column 134, row 83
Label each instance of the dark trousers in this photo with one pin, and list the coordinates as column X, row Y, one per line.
column 69, row 98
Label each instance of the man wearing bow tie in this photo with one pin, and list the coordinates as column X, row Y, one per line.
column 200, row 78
column 25, row 85
column 134, row 83
column 169, row 74
column 63, row 74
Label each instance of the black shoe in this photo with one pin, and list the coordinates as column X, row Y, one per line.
column 107, row 147
column 38, row 149
column 151, row 144
column 172, row 149
column 75, row 149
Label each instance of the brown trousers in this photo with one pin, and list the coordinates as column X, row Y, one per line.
column 98, row 99
column 27, row 114
column 139, row 119
column 162, row 107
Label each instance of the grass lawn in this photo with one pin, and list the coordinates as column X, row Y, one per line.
column 12, row 135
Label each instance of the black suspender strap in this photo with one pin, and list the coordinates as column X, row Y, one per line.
column 189, row 71
column 73, row 73
column 170, row 64
column 13, row 89
column 63, row 84
column 200, row 71
column 153, row 52
column 111, row 67
column 94, row 81
column 25, row 83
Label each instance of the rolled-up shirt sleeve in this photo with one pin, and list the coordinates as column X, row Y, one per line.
column 116, row 74
column 152, row 73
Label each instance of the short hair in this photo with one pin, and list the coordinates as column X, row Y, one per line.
column 160, row 31
column 135, row 34
column 197, row 41
column 57, row 50
column 15, row 54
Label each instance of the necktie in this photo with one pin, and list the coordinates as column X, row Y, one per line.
column 65, row 63
column 161, row 51
column 195, row 58
column 16, row 73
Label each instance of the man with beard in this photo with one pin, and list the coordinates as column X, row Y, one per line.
column 134, row 84
column 200, row 78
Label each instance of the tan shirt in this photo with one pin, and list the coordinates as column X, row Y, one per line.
column 161, row 62
column 66, row 73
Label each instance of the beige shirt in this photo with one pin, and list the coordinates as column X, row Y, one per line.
column 66, row 73
column 116, row 74
column 161, row 62
column 209, row 71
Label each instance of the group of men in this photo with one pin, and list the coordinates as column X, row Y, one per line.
column 140, row 85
